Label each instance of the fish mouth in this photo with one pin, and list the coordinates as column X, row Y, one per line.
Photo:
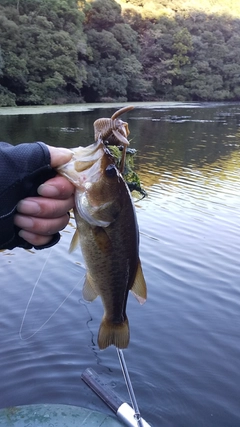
column 95, row 161
column 85, row 157
column 87, row 164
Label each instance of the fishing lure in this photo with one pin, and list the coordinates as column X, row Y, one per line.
column 113, row 131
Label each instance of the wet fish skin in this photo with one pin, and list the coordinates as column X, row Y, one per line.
column 109, row 238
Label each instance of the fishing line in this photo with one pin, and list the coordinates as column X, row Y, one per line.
column 149, row 236
column 30, row 300
column 90, row 319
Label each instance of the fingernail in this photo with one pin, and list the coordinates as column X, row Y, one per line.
column 23, row 234
column 28, row 207
column 65, row 151
column 47, row 190
column 59, row 156
column 24, row 222
column 64, row 155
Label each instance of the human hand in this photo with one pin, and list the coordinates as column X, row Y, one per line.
column 39, row 218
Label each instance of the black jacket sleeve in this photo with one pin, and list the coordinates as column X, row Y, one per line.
column 22, row 169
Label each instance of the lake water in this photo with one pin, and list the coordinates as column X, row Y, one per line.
column 184, row 355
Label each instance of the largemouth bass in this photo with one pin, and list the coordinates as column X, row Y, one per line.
column 109, row 238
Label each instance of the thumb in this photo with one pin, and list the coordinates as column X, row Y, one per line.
column 59, row 156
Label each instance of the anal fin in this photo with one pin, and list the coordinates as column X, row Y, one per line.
column 139, row 288
column 89, row 289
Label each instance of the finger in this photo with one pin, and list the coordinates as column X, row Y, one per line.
column 41, row 226
column 57, row 187
column 41, row 207
column 59, row 156
column 34, row 239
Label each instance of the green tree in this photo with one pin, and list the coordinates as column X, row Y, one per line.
column 127, row 37
column 43, row 58
column 103, row 14
column 113, row 68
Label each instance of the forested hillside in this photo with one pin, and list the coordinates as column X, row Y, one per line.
column 69, row 51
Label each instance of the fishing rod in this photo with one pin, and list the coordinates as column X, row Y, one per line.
column 137, row 415
column 130, row 416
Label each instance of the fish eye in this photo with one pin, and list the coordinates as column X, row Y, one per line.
column 111, row 171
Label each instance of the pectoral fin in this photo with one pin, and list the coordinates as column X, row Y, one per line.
column 102, row 239
column 89, row 289
column 75, row 242
column 88, row 213
column 139, row 288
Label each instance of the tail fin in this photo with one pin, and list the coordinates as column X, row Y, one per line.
column 113, row 334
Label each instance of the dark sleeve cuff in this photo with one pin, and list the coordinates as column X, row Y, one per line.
column 55, row 239
column 18, row 242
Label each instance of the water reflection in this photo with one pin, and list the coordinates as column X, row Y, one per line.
column 189, row 162
column 218, row 181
